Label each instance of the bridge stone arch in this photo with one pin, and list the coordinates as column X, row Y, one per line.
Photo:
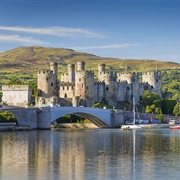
column 100, row 117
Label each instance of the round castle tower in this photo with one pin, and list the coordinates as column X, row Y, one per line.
column 154, row 80
column 101, row 72
column 111, row 88
column 47, row 82
column 84, row 85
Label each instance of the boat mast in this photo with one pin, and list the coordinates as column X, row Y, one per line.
column 134, row 115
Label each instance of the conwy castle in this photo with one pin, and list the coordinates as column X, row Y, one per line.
column 79, row 88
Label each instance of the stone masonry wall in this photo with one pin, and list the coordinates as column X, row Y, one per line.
column 26, row 117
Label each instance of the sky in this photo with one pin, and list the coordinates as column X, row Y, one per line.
column 135, row 29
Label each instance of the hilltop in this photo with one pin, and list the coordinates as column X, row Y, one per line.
column 26, row 61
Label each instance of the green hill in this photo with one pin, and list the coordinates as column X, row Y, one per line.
column 24, row 62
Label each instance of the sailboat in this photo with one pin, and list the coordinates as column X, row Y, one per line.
column 133, row 125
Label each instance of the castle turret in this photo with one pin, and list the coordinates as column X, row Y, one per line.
column 80, row 66
column 71, row 72
column 54, row 68
column 101, row 72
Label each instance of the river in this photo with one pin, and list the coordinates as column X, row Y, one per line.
column 99, row 154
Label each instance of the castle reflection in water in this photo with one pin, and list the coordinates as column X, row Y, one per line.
column 78, row 154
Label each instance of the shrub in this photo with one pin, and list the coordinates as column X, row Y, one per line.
column 7, row 116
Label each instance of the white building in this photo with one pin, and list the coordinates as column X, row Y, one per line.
column 16, row 95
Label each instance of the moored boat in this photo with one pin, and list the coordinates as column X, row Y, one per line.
column 133, row 125
column 174, row 127
column 130, row 127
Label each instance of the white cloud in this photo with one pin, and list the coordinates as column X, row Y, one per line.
column 110, row 46
column 56, row 31
column 17, row 38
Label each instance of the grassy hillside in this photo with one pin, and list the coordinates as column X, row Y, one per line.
column 24, row 62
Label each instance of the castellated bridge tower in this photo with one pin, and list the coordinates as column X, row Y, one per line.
column 84, row 85
column 154, row 80
column 48, row 82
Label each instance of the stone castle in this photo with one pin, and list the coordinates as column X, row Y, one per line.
column 79, row 88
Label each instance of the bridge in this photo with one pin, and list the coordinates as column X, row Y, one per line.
column 100, row 117
column 42, row 117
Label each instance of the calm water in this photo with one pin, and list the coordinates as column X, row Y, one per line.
column 99, row 154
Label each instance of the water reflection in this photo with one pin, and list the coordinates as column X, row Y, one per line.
column 86, row 154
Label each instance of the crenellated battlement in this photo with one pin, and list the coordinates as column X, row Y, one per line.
column 153, row 73
column 15, row 87
column 43, row 71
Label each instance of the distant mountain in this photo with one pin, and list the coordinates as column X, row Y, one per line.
column 27, row 61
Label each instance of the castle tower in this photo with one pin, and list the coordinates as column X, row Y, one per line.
column 47, row 82
column 54, row 68
column 136, row 90
column 80, row 66
column 154, row 81
column 71, row 72
column 43, row 83
column 111, row 88
column 101, row 72
column 84, row 85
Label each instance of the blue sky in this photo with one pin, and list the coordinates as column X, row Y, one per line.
column 140, row 29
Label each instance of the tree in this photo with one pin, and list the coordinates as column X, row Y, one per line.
column 167, row 106
column 151, row 102
column 14, row 80
column 176, row 110
column 33, row 85
column 148, row 98
column 160, row 116
column 7, row 116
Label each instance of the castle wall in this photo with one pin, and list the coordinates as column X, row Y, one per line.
column 16, row 95
column 122, row 91
column 64, row 77
column 125, row 77
column 66, row 90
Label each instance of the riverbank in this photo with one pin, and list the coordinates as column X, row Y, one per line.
column 155, row 126
column 74, row 126
column 13, row 127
